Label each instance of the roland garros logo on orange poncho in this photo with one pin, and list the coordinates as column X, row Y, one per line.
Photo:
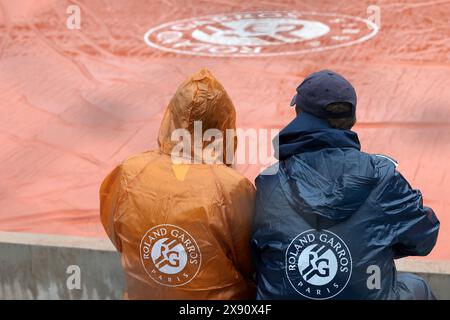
column 170, row 255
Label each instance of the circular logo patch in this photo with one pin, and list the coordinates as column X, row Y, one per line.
column 318, row 264
column 261, row 33
column 170, row 255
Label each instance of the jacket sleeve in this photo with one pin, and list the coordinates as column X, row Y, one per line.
column 112, row 192
column 242, row 206
column 415, row 226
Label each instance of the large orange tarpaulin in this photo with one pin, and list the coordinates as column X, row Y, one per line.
column 75, row 102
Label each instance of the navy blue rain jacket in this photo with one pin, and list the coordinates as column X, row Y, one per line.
column 331, row 221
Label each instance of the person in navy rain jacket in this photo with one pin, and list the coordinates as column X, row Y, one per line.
column 331, row 221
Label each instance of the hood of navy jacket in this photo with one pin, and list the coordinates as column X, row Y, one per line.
column 325, row 192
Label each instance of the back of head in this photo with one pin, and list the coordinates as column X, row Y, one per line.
column 345, row 122
column 329, row 96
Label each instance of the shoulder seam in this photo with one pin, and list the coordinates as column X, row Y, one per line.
column 388, row 158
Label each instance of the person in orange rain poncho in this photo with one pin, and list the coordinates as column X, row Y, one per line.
column 183, row 227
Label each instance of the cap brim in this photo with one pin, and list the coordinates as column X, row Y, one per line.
column 294, row 100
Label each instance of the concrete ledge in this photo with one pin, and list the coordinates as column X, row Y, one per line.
column 424, row 266
column 50, row 240
column 33, row 266
column 435, row 272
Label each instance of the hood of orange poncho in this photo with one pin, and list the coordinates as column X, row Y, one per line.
column 200, row 102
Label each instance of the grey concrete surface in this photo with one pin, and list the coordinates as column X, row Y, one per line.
column 33, row 266
column 436, row 273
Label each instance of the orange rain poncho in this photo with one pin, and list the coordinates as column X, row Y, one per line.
column 183, row 230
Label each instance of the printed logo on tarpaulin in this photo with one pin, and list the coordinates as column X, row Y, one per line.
column 170, row 255
column 260, row 33
column 318, row 264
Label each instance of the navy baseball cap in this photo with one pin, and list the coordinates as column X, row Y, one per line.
column 322, row 88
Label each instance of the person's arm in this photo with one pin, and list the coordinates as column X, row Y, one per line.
column 415, row 227
column 111, row 197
